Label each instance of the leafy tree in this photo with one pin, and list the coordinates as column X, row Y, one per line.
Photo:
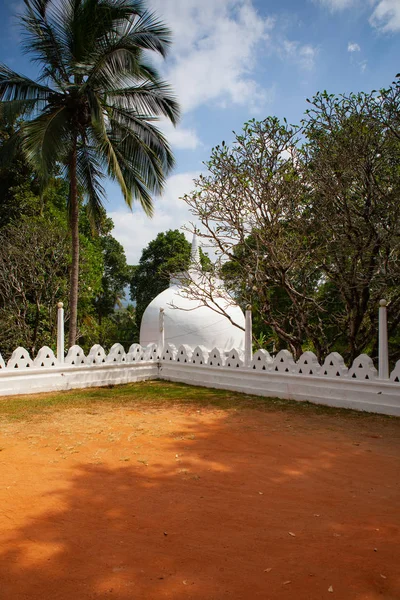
column 34, row 270
column 125, row 330
column 306, row 222
column 351, row 160
column 116, row 276
column 33, row 278
column 118, row 326
column 92, row 108
column 166, row 255
column 28, row 221
column 18, row 185
column 251, row 205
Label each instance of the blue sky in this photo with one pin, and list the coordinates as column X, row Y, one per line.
column 237, row 59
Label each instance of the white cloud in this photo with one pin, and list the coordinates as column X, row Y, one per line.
column 214, row 51
column 353, row 47
column 386, row 16
column 182, row 138
column 302, row 54
column 334, row 5
column 185, row 139
column 134, row 230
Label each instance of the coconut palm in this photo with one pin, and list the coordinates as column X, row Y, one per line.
column 92, row 109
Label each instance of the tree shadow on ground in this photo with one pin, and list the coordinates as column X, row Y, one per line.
column 211, row 515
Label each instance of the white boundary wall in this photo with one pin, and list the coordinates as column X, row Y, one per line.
column 332, row 383
column 371, row 396
column 65, row 378
column 48, row 374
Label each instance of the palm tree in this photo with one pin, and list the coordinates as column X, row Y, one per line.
column 93, row 108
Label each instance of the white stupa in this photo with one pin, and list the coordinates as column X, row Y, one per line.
column 188, row 320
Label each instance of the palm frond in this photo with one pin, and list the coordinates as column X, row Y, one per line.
column 119, row 54
column 140, row 125
column 134, row 180
column 89, row 176
column 152, row 98
column 45, row 37
column 134, row 177
column 149, row 33
column 144, row 154
column 138, row 134
column 92, row 22
column 147, row 71
column 39, row 6
column 11, row 110
column 106, row 149
column 136, row 33
column 111, row 67
column 47, row 139
column 140, row 190
column 14, row 86
column 143, row 161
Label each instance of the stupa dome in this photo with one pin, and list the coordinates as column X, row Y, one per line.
column 188, row 321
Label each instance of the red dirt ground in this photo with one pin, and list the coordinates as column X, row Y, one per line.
column 200, row 503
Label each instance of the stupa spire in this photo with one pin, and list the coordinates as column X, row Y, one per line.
column 195, row 254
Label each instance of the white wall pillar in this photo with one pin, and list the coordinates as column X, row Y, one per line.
column 248, row 340
column 383, row 342
column 161, row 334
column 60, row 332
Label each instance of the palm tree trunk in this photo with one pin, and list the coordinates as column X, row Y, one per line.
column 74, row 224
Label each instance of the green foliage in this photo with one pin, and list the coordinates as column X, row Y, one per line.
column 100, row 96
column 306, row 222
column 33, row 278
column 119, row 326
column 93, row 109
column 169, row 253
column 35, row 262
column 106, row 321
column 351, row 158
column 18, row 186
column 116, row 276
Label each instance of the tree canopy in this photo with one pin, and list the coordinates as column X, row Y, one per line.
column 35, row 264
column 92, row 110
column 305, row 221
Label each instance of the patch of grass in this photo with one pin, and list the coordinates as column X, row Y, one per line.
column 158, row 393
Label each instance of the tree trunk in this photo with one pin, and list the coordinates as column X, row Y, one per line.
column 74, row 224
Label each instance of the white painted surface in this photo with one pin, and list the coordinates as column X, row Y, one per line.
column 60, row 332
column 65, row 377
column 378, row 397
column 191, row 323
column 332, row 384
column 248, row 342
column 161, row 332
column 187, row 320
column 383, row 342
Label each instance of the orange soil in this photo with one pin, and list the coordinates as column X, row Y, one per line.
column 201, row 503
